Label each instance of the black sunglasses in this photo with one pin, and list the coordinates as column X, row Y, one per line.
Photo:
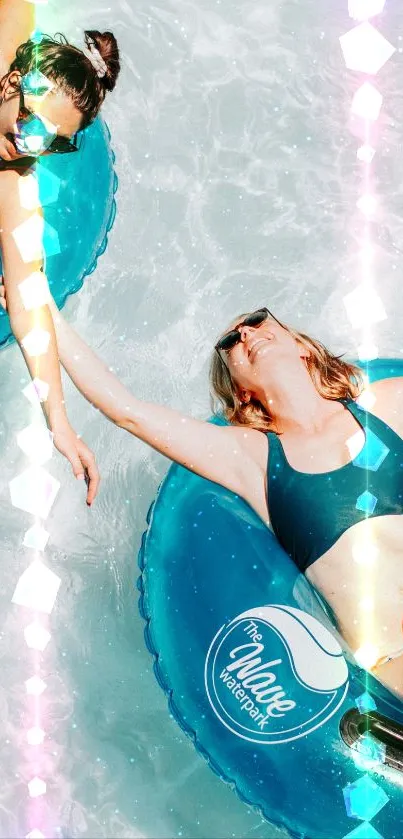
column 59, row 145
column 228, row 341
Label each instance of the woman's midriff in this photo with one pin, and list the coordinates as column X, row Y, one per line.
column 365, row 596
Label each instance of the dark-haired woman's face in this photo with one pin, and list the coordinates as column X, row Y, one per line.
column 56, row 108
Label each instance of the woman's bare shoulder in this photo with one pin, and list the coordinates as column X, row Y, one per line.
column 254, row 443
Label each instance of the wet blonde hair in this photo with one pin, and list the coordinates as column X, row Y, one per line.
column 332, row 377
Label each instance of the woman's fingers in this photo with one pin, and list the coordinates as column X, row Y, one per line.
column 7, row 150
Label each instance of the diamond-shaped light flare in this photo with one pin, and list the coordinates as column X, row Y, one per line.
column 37, row 391
column 36, row 636
column 34, row 290
column 34, row 491
column 35, row 686
column 364, row 307
column 367, row 352
column 366, row 400
column 49, row 185
column 364, row 9
column 37, row 442
column 367, row 655
column 367, row 204
column 363, row 831
column 28, row 188
column 365, row 153
column 36, row 341
column 365, row 49
column 35, row 736
column 36, row 787
column 29, row 236
column 365, row 552
column 35, row 834
column 367, row 102
column 364, row 703
column 36, row 538
column 36, row 84
column 364, row 798
column 37, row 588
column 366, row 502
column 34, row 134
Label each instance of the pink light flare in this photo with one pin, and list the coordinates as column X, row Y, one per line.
column 365, row 153
column 365, row 49
column 367, row 102
column 364, row 9
column 35, row 736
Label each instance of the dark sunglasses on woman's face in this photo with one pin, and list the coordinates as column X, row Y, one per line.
column 228, row 341
column 51, row 144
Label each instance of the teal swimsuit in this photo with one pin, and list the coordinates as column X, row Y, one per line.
column 309, row 512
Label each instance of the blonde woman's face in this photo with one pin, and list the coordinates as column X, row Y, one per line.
column 259, row 348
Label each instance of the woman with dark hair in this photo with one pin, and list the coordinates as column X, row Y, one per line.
column 299, row 449
column 49, row 92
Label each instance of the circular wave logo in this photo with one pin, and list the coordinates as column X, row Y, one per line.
column 274, row 674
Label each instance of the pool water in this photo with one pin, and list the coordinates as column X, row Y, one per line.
column 238, row 184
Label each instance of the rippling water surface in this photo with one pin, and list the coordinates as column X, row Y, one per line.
column 238, row 185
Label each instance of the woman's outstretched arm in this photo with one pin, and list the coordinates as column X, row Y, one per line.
column 45, row 366
column 215, row 452
column 17, row 22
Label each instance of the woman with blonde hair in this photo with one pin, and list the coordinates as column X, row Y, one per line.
column 293, row 420
column 78, row 81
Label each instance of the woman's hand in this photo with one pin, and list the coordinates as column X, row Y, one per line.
column 80, row 456
column 7, row 149
column 69, row 444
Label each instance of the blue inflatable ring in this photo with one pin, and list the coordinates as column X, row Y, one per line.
column 255, row 672
column 77, row 192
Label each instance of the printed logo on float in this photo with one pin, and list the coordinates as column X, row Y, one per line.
column 274, row 674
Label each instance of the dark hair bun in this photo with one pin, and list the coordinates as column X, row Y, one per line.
column 107, row 45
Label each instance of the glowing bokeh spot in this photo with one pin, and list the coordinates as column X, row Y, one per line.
column 36, row 787
column 364, row 798
column 364, row 702
column 364, row 306
column 35, row 686
column 36, row 637
column 365, row 49
column 364, row 9
column 365, row 153
column 366, row 502
column 37, row 442
column 367, row 655
column 366, row 400
column 36, row 538
column 365, row 552
column 34, row 491
column 36, row 342
column 35, row 290
column 35, row 736
column 35, row 83
column 36, row 391
column 367, row 204
column 35, row 834
column 366, row 604
column 368, row 351
column 28, row 188
column 367, row 102
column 28, row 237
column 37, row 588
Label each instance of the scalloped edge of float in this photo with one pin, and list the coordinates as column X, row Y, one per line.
column 168, row 690
column 100, row 250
